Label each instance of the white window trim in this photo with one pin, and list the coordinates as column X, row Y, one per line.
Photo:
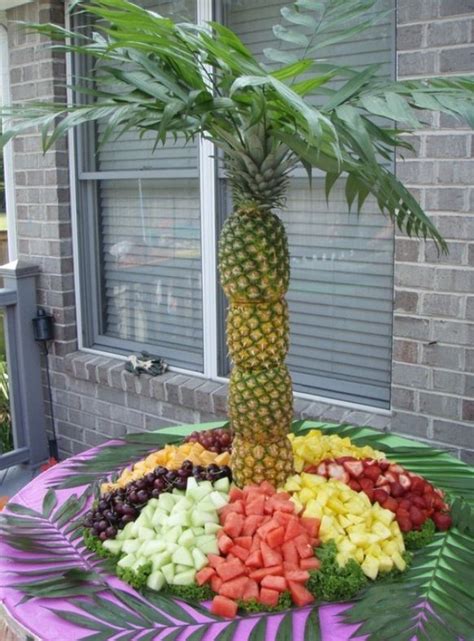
column 207, row 183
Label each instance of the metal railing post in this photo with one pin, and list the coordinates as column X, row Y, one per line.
column 24, row 363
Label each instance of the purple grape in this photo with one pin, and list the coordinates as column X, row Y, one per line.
column 140, row 484
column 180, row 483
column 111, row 532
column 127, row 518
column 155, row 493
column 133, row 497
column 142, row 496
column 103, row 536
column 159, row 484
column 128, row 510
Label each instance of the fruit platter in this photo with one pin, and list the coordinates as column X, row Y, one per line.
column 370, row 537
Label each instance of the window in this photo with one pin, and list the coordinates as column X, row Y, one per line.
column 144, row 217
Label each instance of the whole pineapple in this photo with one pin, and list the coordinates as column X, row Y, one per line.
column 254, row 272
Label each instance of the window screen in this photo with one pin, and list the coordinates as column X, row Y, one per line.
column 340, row 296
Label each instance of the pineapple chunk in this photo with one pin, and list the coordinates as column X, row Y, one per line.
column 293, row 484
column 370, row 566
column 305, row 495
column 399, row 561
column 385, row 563
column 336, row 506
column 381, row 530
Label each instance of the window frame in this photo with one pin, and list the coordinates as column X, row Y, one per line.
column 87, row 250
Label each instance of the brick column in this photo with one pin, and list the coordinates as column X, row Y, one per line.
column 433, row 348
column 43, row 216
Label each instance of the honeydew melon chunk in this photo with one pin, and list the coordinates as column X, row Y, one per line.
column 201, row 518
column 182, row 556
column 150, row 548
column 132, row 531
column 113, row 545
column 166, row 502
column 146, row 534
column 156, row 580
column 127, row 561
column 148, row 510
column 179, row 518
column 218, row 499
column 168, row 572
column 197, row 531
column 159, row 518
column 172, row 534
column 199, row 492
column 161, row 559
column 185, row 578
column 130, row 546
column 187, row 539
column 182, row 505
column 180, row 568
column 209, row 547
column 222, row 485
column 144, row 521
column 206, row 505
column 139, row 563
column 177, row 492
column 200, row 559
column 191, row 484
column 209, row 528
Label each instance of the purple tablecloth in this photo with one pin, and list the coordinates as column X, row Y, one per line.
column 36, row 618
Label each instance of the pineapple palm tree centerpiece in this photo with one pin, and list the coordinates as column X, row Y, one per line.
column 153, row 74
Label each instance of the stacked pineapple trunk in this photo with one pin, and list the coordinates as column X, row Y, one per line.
column 254, row 269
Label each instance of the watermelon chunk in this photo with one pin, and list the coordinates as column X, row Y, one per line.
column 233, row 524
column 254, row 559
column 311, row 526
column 215, row 560
column 300, row 576
column 230, row 569
column 267, row 527
column 240, row 552
column 303, row 547
column 258, row 575
column 269, row 597
column 204, row 575
column 268, row 488
column 270, row 557
column 234, row 589
column 274, row 582
column 235, row 494
column 287, row 566
column 311, row 563
column 283, row 518
column 251, row 590
column 244, row 541
column 276, row 537
column 251, row 524
column 256, row 505
column 293, row 529
column 290, row 553
column 224, row 543
column 300, row 594
column 216, row 583
column 223, row 607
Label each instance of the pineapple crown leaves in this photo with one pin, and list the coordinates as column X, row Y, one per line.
column 154, row 75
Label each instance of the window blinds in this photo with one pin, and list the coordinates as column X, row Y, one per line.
column 149, row 234
column 341, row 289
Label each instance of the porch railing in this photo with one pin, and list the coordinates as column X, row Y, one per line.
column 18, row 299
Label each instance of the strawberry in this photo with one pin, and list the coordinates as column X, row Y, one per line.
column 397, row 469
column 404, row 481
column 391, row 478
column 419, row 501
column 390, row 504
column 336, row 471
column 354, row 485
column 380, row 481
column 405, row 524
column 372, row 472
column 384, row 465
column 380, row 496
column 354, row 468
column 366, row 484
column 417, row 484
column 416, row 516
column 322, row 470
column 397, row 490
column 442, row 521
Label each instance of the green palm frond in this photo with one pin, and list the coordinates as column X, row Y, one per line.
column 154, row 75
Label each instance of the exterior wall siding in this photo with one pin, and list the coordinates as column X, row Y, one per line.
column 433, row 356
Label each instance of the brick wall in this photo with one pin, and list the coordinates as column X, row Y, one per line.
column 95, row 399
column 433, row 357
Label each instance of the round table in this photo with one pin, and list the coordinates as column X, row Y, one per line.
column 38, row 617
